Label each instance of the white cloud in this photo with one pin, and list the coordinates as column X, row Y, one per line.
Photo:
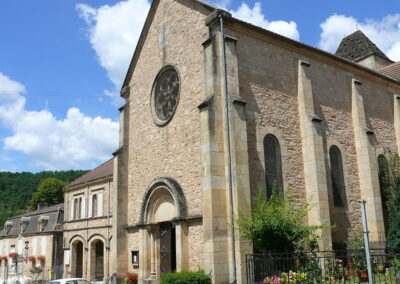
column 256, row 17
column 385, row 33
column 113, row 34
column 77, row 141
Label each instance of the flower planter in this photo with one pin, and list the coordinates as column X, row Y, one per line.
column 363, row 275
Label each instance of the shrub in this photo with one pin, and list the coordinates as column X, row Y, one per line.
column 277, row 225
column 186, row 277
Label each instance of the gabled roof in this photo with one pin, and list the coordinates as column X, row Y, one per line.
column 145, row 30
column 287, row 40
column 102, row 171
column 356, row 46
column 392, row 70
column 53, row 214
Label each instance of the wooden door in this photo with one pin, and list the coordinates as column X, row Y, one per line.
column 79, row 260
column 167, row 248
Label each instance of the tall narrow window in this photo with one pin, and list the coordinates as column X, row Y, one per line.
column 76, row 209
column 94, row 206
column 273, row 164
column 337, row 176
column 383, row 185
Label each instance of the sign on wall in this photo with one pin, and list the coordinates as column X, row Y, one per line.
column 66, row 257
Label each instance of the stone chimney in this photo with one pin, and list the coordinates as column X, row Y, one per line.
column 41, row 206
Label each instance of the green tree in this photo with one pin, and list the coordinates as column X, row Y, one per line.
column 391, row 184
column 50, row 191
column 277, row 225
column 16, row 189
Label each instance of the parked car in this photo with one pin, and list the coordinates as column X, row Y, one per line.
column 70, row 281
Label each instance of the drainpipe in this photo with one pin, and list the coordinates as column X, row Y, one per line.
column 228, row 144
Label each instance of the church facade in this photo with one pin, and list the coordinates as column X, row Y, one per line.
column 217, row 110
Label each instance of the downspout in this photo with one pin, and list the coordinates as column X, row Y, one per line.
column 228, row 144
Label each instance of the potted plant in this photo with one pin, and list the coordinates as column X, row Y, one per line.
column 13, row 255
column 41, row 258
column 36, row 272
column 31, row 258
column 130, row 278
column 272, row 280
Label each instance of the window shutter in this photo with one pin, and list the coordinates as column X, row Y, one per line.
column 90, row 205
column 34, row 246
column 83, row 208
column 44, row 243
column 100, row 204
column 72, row 209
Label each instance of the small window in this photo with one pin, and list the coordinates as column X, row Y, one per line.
column 337, row 176
column 273, row 164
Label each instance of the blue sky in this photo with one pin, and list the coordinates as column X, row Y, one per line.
column 62, row 63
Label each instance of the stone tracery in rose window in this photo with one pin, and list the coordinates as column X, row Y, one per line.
column 165, row 95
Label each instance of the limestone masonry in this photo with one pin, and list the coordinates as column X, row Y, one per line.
column 215, row 111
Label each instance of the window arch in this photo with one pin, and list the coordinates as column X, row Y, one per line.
column 383, row 164
column 273, row 164
column 337, row 176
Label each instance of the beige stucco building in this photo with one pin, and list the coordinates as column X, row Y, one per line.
column 87, row 224
column 37, row 239
column 216, row 110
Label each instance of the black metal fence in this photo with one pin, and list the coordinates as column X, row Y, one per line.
column 347, row 266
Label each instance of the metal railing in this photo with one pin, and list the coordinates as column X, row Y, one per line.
column 344, row 266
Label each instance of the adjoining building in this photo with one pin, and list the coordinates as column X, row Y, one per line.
column 35, row 239
column 218, row 109
column 87, row 224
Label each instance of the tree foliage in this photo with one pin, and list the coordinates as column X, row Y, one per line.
column 50, row 191
column 391, row 184
column 277, row 225
column 16, row 189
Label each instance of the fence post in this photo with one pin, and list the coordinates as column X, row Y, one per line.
column 366, row 240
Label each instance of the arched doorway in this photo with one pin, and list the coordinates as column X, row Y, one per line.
column 77, row 259
column 97, row 260
column 163, row 204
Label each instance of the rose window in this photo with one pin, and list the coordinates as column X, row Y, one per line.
column 165, row 95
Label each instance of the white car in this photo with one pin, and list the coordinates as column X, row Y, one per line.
column 70, row 281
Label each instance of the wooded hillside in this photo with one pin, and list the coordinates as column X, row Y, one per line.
column 16, row 189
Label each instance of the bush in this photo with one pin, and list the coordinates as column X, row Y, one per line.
column 186, row 277
column 277, row 225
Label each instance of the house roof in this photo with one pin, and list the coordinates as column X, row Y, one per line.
column 392, row 70
column 356, row 46
column 53, row 214
column 104, row 170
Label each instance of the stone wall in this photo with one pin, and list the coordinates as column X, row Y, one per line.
column 268, row 82
column 173, row 150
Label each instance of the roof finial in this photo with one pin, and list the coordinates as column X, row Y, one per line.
column 357, row 27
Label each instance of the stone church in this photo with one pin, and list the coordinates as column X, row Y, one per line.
column 218, row 109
